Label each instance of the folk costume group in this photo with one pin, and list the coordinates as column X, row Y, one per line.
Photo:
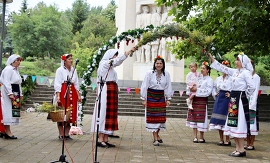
column 235, row 92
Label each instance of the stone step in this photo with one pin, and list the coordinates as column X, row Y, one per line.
column 130, row 103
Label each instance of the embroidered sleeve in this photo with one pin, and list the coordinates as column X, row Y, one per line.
column 168, row 88
column 144, row 86
column 219, row 67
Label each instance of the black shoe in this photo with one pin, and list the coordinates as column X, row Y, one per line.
column 221, row 143
column 6, row 136
column 68, row 137
column 195, row 140
column 238, row 154
column 114, row 136
column 60, row 137
column 100, row 144
column 227, row 143
column 201, row 141
column 109, row 145
column 250, row 148
column 160, row 141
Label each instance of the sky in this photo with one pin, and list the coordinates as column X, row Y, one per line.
column 62, row 4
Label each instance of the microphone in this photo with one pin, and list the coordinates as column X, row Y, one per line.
column 111, row 62
column 76, row 61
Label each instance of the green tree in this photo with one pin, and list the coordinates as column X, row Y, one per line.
column 79, row 13
column 97, row 30
column 109, row 11
column 24, row 6
column 236, row 25
column 84, row 54
column 41, row 31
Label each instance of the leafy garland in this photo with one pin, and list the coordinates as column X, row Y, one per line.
column 148, row 34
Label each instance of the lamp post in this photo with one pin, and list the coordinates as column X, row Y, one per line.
column 2, row 29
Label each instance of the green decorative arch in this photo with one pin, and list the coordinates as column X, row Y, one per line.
column 148, row 34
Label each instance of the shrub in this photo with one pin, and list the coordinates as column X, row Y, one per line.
column 31, row 59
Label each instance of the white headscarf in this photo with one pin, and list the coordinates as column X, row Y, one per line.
column 246, row 63
column 63, row 58
column 106, row 57
column 12, row 58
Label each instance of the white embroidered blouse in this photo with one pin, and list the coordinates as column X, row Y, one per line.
column 221, row 83
column 152, row 81
column 204, row 86
column 241, row 78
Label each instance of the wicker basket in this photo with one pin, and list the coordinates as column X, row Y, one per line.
column 58, row 115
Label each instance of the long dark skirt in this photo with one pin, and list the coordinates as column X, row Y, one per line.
column 220, row 110
column 111, row 121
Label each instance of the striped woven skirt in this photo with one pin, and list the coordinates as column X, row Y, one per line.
column 156, row 106
column 197, row 114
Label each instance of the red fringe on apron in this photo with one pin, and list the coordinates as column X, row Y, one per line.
column 199, row 110
column 72, row 101
column 111, row 120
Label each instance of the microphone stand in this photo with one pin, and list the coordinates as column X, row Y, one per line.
column 102, row 82
column 68, row 83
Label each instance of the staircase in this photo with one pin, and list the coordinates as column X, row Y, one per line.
column 130, row 103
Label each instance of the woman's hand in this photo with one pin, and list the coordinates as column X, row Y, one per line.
column 11, row 96
column 227, row 95
column 79, row 99
column 58, row 99
column 144, row 103
column 168, row 102
column 193, row 88
column 211, row 57
column 131, row 50
column 217, row 94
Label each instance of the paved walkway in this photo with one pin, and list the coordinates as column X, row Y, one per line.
column 38, row 143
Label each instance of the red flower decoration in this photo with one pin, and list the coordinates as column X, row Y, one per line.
column 205, row 63
column 225, row 62
column 158, row 57
column 203, row 51
column 63, row 57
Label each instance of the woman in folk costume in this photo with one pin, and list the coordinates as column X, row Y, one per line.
column 253, row 111
column 221, row 94
column 197, row 117
column 65, row 76
column 156, row 92
column 237, row 123
column 11, row 94
column 108, row 100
